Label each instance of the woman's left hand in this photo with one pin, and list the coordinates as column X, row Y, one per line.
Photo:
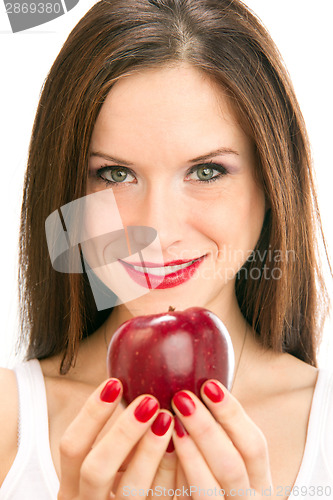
column 219, row 447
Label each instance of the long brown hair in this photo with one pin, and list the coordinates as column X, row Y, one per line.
column 224, row 39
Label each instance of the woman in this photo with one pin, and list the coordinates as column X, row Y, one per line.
column 180, row 112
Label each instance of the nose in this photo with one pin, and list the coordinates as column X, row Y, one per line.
column 163, row 210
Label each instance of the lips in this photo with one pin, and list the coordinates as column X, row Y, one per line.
column 152, row 275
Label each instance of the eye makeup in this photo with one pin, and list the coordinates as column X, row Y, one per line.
column 205, row 172
column 205, row 169
column 108, row 174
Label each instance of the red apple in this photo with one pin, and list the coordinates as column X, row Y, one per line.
column 161, row 354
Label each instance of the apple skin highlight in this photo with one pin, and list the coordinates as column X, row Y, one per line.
column 161, row 354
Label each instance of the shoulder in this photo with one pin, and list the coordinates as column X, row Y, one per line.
column 8, row 420
column 280, row 389
column 292, row 382
column 65, row 394
column 276, row 376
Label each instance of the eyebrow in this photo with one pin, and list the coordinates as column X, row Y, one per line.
column 111, row 158
column 217, row 152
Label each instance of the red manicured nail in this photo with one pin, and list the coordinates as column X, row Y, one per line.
column 161, row 424
column 146, row 409
column 184, row 403
column 170, row 447
column 179, row 428
column 213, row 392
column 110, row 391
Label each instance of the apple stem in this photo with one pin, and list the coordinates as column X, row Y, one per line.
column 171, row 309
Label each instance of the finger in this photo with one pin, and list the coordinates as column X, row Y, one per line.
column 81, row 434
column 123, row 468
column 165, row 477
column 164, row 482
column 99, row 468
column 199, row 477
column 182, row 487
column 143, row 467
column 245, row 435
column 222, row 457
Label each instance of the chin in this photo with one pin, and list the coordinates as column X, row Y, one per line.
column 159, row 301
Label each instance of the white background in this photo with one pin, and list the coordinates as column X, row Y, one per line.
column 302, row 31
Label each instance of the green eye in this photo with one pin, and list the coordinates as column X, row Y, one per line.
column 115, row 175
column 205, row 173
column 118, row 175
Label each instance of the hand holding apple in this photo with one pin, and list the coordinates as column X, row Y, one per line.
column 161, row 354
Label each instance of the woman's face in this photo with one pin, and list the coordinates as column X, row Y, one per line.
column 168, row 146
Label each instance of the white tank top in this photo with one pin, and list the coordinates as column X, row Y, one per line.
column 33, row 476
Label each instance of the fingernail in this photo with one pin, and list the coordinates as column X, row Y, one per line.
column 146, row 409
column 171, row 446
column 213, row 392
column 184, row 403
column 179, row 428
column 161, row 424
column 110, row 391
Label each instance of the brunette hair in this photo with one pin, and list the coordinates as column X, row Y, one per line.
column 226, row 40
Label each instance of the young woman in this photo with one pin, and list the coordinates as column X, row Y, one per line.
column 180, row 112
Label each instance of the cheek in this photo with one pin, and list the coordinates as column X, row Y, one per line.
column 233, row 222
column 102, row 228
column 234, row 215
column 252, row 212
column 247, row 222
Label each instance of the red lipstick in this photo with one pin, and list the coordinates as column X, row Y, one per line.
column 164, row 277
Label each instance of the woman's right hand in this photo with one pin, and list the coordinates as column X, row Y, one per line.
column 89, row 465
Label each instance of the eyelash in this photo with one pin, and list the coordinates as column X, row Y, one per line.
column 214, row 166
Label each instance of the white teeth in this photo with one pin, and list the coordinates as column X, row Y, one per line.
column 162, row 271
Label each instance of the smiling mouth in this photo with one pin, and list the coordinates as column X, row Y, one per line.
column 152, row 275
column 163, row 270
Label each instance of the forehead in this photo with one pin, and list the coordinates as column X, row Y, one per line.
column 167, row 109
